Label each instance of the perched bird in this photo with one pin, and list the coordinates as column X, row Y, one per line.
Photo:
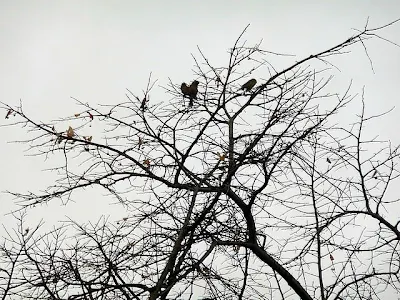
column 249, row 85
column 185, row 89
column 193, row 91
column 190, row 91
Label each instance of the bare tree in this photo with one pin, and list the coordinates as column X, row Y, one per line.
column 253, row 191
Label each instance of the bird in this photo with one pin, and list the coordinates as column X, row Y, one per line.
column 249, row 85
column 190, row 91
column 193, row 91
column 185, row 89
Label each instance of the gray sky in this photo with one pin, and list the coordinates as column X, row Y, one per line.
column 94, row 50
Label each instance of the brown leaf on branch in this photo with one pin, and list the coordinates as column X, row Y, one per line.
column 221, row 156
column 70, row 132
column 140, row 143
column 9, row 113
column 146, row 162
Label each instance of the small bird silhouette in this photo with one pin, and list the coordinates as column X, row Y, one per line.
column 193, row 91
column 190, row 91
column 249, row 85
column 185, row 89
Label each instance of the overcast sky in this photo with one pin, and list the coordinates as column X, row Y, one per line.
column 94, row 50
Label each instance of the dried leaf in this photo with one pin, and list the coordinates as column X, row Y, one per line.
column 143, row 104
column 147, row 162
column 77, row 115
column 331, row 257
column 90, row 116
column 89, row 138
column 70, row 132
column 140, row 143
column 9, row 113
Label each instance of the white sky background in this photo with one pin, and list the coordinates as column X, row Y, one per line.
column 94, row 50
